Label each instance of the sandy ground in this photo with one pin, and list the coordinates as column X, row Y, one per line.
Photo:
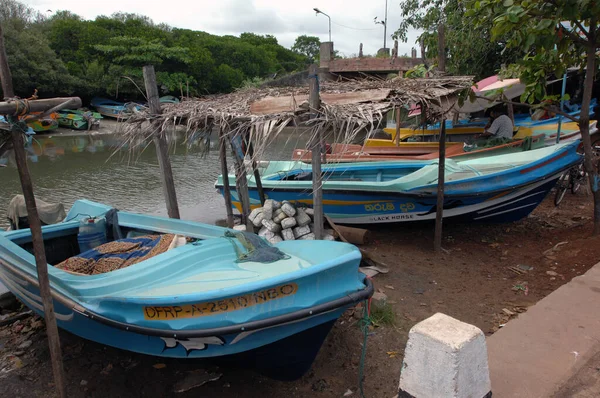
column 472, row 281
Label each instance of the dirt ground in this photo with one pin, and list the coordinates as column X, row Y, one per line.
column 472, row 281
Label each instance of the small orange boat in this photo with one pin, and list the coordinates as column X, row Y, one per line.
column 342, row 153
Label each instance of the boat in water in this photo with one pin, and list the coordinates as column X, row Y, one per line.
column 181, row 289
column 78, row 119
column 500, row 188
column 43, row 125
column 114, row 109
column 343, row 153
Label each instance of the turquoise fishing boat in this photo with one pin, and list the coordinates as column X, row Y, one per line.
column 181, row 289
column 498, row 188
column 114, row 109
column 78, row 119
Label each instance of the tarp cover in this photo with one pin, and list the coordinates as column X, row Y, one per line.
column 49, row 213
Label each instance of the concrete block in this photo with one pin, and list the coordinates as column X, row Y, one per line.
column 254, row 213
column 240, row 227
column 258, row 217
column 309, row 236
column 263, row 231
column 445, row 357
column 279, row 216
column 275, row 239
column 288, row 234
column 268, row 209
column 289, row 222
column 310, row 212
column 271, row 226
column 328, row 237
column 288, row 209
column 276, row 205
column 302, row 218
column 301, row 231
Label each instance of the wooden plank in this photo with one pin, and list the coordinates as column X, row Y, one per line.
column 162, row 151
column 317, row 178
column 439, row 213
column 289, row 103
column 36, row 232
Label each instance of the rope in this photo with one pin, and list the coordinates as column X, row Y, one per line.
column 365, row 322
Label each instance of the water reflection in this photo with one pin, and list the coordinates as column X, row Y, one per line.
column 66, row 167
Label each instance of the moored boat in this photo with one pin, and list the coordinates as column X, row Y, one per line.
column 44, row 124
column 413, row 151
column 114, row 109
column 181, row 289
column 78, row 119
column 490, row 189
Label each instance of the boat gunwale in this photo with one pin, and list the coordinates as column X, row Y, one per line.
column 346, row 300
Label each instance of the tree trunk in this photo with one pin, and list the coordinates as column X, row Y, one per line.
column 584, row 126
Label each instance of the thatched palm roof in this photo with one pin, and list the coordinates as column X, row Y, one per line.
column 347, row 108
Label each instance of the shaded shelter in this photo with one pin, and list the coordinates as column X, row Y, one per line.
column 255, row 117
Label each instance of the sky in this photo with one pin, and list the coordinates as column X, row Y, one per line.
column 351, row 20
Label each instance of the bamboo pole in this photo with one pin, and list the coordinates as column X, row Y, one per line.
column 225, row 174
column 36, row 232
column 439, row 213
column 314, row 102
column 162, row 151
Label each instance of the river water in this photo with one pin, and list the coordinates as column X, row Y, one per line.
column 68, row 165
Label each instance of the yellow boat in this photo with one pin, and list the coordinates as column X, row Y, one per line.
column 422, row 137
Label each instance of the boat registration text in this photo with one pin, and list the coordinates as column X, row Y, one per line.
column 162, row 313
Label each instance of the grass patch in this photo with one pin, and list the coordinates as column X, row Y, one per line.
column 382, row 314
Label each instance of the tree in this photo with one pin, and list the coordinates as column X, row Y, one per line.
column 468, row 51
column 557, row 34
column 308, row 46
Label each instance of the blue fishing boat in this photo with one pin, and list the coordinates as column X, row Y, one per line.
column 114, row 109
column 499, row 188
column 181, row 289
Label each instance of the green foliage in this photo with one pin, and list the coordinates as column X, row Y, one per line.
column 66, row 54
column 309, row 46
column 469, row 51
column 549, row 31
column 382, row 314
column 419, row 71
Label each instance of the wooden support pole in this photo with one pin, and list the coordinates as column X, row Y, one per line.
column 162, row 151
column 510, row 111
column 40, row 105
column 225, row 174
column 241, row 181
column 397, row 136
column 36, row 232
column 314, row 102
column 439, row 213
column 257, row 180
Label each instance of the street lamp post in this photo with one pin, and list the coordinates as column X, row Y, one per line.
column 321, row 12
column 384, row 23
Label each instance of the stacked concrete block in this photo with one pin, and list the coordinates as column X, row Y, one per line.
column 279, row 221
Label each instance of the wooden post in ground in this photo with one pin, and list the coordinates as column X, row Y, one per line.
column 241, row 180
column 162, row 151
column 397, row 137
column 257, row 180
column 511, row 111
column 439, row 213
column 314, row 102
column 36, row 232
column 225, row 174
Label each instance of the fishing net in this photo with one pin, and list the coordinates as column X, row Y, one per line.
column 258, row 250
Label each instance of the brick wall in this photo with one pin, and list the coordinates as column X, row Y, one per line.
column 373, row 64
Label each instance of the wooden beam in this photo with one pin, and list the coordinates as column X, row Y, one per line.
column 225, row 174
column 314, row 103
column 41, row 105
column 35, row 224
column 439, row 213
column 162, row 151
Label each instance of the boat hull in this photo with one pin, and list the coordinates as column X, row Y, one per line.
column 283, row 351
column 348, row 207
